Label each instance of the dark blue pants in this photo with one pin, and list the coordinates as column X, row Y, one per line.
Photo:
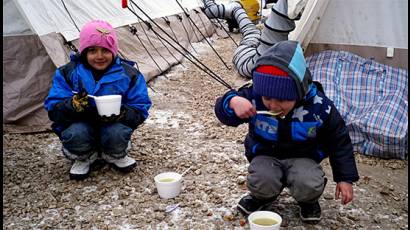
column 82, row 139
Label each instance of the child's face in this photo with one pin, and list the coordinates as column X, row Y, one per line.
column 278, row 106
column 99, row 57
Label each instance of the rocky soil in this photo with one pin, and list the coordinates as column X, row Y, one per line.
column 181, row 132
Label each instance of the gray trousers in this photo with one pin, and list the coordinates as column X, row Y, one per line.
column 303, row 176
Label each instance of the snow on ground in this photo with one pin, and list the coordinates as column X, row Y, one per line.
column 181, row 132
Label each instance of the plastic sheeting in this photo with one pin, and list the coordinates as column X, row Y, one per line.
column 371, row 97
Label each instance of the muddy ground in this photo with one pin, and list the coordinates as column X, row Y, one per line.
column 182, row 131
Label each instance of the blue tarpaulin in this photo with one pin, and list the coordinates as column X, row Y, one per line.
column 371, row 97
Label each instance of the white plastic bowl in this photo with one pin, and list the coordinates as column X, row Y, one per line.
column 168, row 184
column 108, row 105
column 264, row 214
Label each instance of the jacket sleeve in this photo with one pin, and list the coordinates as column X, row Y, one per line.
column 137, row 103
column 224, row 113
column 336, row 142
column 58, row 102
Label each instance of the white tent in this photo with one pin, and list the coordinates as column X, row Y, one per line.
column 37, row 36
column 374, row 29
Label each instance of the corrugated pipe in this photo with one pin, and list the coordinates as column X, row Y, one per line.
column 276, row 28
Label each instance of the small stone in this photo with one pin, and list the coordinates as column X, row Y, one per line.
column 117, row 211
column 353, row 217
column 198, row 172
column 159, row 216
column 328, row 196
column 228, row 216
column 384, row 192
column 241, row 180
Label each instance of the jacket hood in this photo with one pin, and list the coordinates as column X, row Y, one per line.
column 288, row 55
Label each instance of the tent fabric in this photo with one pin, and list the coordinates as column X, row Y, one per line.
column 47, row 16
column 13, row 22
column 371, row 97
column 377, row 23
column 27, row 71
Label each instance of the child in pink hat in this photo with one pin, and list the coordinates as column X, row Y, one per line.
column 96, row 70
column 98, row 33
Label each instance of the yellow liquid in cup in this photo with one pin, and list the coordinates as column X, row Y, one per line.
column 166, row 180
column 264, row 221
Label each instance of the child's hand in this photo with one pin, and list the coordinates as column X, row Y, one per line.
column 113, row 118
column 242, row 107
column 345, row 189
column 80, row 101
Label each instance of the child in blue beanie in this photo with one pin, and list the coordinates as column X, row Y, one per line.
column 293, row 126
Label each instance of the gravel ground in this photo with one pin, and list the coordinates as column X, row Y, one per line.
column 182, row 131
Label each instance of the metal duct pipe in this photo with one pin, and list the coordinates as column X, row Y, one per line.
column 277, row 26
column 254, row 43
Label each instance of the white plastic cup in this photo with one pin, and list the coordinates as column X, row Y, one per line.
column 108, row 105
column 168, row 184
column 258, row 215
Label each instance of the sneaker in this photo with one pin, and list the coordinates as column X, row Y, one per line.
column 81, row 168
column 124, row 164
column 129, row 146
column 310, row 212
column 249, row 204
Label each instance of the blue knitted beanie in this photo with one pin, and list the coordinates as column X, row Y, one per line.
column 289, row 80
column 272, row 82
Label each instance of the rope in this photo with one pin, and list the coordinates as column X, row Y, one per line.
column 203, row 24
column 149, row 40
column 186, row 31
column 168, row 22
column 169, row 51
column 202, row 35
column 69, row 44
column 190, row 24
column 203, row 68
column 133, row 30
column 223, row 27
column 65, row 7
column 121, row 54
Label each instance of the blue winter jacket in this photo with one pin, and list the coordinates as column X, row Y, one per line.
column 313, row 129
column 121, row 78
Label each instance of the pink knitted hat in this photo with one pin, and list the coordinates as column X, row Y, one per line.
column 98, row 33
